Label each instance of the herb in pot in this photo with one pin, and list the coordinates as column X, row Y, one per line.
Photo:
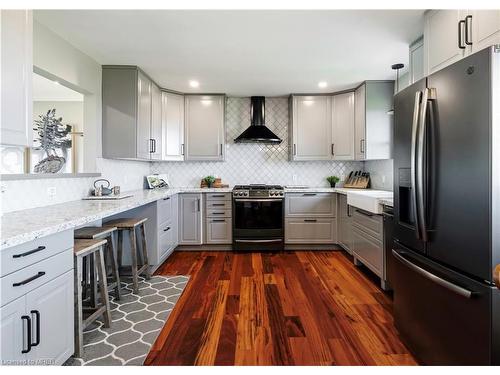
column 333, row 180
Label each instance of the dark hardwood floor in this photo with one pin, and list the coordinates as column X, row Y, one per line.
column 289, row 308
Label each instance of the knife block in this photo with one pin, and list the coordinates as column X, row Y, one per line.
column 358, row 183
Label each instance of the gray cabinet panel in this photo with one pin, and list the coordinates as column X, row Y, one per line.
column 343, row 126
column 310, row 205
column 368, row 249
column 12, row 332
column 344, row 221
column 190, row 220
column 219, row 231
column 156, row 122
column 144, row 146
column 172, row 126
column 310, row 231
column 204, row 127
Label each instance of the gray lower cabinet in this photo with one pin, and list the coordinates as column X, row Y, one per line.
column 344, row 223
column 310, row 231
column 190, row 219
column 310, row 218
column 167, row 216
column 218, row 218
column 219, row 230
column 367, row 240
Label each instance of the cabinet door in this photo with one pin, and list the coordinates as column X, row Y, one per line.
column 190, row 226
column 344, row 223
column 368, row 249
column 219, row 231
column 51, row 308
column 343, row 126
column 416, row 62
column 17, row 77
column 172, row 126
column 144, row 145
column 204, row 127
column 441, row 38
column 310, row 231
column 485, row 28
column 360, row 123
column 156, row 122
column 311, row 128
column 14, row 332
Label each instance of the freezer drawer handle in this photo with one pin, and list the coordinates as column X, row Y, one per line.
column 430, row 276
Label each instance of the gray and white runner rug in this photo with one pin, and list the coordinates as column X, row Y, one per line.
column 137, row 322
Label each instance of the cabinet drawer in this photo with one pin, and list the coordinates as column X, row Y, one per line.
column 368, row 249
column 20, row 256
column 219, row 205
column 35, row 275
column 164, row 207
column 214, row 212
column 165, row 239
column 310, row 231
column 369, row 223
column 218, row 196
column 219, row 231
column 311, row 205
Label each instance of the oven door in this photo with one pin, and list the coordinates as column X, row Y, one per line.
column 257, row 219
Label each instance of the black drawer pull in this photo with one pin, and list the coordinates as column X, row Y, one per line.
column 218, row 220
column 166, row 199
column 37, row 314
column 310, row 220
column 309, row 194
column 166, row 229
column 217, row 195
column 364, row 213
column 218, row 204
column 28, row 329
column 39, row 248
column 29, row 280
column 217, row 213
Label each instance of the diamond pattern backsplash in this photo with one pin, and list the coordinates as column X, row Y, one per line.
column 255, row 163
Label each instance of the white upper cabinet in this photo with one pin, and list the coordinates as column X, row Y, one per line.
column 311, row 128
column 450, row 35
column 16, row 77
column 156, row 122
column 485, row 28
column 144, row 140
column 343, row 126
column 172, row 126
column 373, row 124
column 443, row 38
column 204, row 127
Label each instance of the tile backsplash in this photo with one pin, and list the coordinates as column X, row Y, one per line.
column 255, row 163
column 381, row 173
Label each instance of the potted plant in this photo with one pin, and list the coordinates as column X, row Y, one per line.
column 333, row 180
column 209, row 180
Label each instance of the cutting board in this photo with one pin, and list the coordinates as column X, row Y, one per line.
column 106, row 197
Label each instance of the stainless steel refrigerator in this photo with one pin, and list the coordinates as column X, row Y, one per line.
column 447, row 213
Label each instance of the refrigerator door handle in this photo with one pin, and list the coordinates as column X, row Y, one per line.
column 434, row 278
column 414, row 132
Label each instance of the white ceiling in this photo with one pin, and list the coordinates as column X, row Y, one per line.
column 245, row 52
column 47, row 90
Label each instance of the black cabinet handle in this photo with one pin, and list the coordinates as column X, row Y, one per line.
column 39, row 248
column 166, row 229
column 333, row 149
column 309, row 194
column 467, row 31
column 364, row 213
column 29, row 280
column 310, row 220
column 28, row 329
column 218, row 221
column 182, row 149
column 460, row 44
column 217, row 213
column 218, row 204
column 37, row 314
column 166, row 199
column 218, row 195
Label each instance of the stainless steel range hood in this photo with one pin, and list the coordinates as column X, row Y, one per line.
column 258, row 132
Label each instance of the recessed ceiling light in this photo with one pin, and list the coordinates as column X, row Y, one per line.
column 194, row 84
column 322, row 84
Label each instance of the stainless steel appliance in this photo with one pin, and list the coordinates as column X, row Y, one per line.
column 258, row 217
column 447, row 213
column 258, row 132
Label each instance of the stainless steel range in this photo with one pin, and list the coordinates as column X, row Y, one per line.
column 258, row 217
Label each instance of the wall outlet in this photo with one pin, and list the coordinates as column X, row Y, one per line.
column 51, row 191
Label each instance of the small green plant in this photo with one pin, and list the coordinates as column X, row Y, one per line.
column 333, row 180
column 209, row 180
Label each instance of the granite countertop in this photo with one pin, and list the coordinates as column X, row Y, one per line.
column 26, row 225
column 22, row 226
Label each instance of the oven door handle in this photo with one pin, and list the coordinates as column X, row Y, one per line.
column 259, row 200
column 258, row 241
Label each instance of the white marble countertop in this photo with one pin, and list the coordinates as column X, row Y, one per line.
column 26, row 225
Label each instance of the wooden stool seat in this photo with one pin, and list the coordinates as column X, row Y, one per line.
column 105, row 233
column 130, row 225
column 93, row 248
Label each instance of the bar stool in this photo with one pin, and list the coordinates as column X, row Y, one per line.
column 85, row 316
column 105, row 233
column 130, row 225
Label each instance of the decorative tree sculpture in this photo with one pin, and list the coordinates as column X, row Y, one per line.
column 52, row 135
